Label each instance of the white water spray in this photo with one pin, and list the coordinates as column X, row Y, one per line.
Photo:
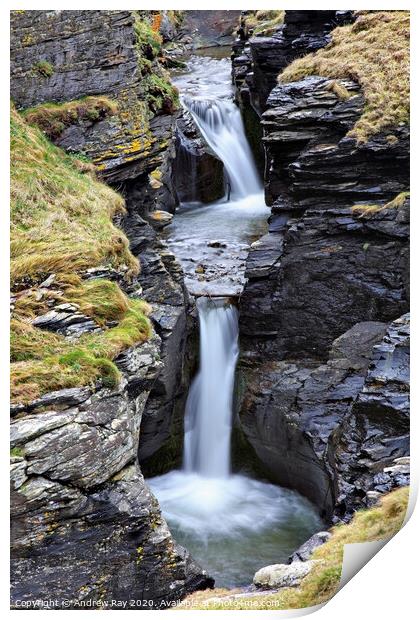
column 208, row 416
column 220, row 123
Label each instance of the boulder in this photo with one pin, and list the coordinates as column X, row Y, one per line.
column 304, row 552
column 282, row 575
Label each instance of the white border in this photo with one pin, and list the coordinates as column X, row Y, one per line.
column 386, row 587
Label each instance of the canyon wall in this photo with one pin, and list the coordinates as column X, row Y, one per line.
column 329, row 282
column 80, row 507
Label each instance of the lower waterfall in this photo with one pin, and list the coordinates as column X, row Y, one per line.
column 209, row 406
column 232, row 524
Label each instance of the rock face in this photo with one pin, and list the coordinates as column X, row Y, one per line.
column 305, row 129
column 209, row 28
column 258, row 60
column 64, row 40
column 376, row 430
column 313, row 277
column 197, row 171
column 80, row 508
column 326, row 287
column 302, row 417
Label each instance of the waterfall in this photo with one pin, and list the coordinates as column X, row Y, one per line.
column 208, row 416
column 220, row 123
column 232, row 523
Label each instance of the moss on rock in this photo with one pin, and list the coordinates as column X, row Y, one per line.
column 53, row 118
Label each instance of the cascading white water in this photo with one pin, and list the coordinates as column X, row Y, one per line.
column 208, row 414
column 220, row 123
column 231, row 523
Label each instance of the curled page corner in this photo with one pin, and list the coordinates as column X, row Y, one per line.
column 356, row 556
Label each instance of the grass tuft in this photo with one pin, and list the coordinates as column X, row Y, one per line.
column 44, row 68
column 263, row 23
column 61, row 219
column 395, row 203
column 61, row 225
column 374, row 51
column 43, row 361
column 53, row 118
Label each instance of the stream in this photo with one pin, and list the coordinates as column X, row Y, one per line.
column 232, row 524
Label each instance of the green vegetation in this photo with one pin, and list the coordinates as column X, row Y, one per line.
column 158, row 92
column 148, row 40
column 44, row 68
column 61, row 219
column 43, row 361
column 395, row 203
column 263, row 23
column 53, row 118
column 62, row 224
column 374, row 51
column 378, row 523
column 17, row 451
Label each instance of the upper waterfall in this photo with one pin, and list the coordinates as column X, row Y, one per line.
column 220, row 123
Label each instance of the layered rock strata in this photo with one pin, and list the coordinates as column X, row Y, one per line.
column 81, row 509
column 257, row 60
column 332, row 270
column 85, row 528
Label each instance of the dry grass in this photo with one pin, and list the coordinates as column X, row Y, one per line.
column 61, row 219
column 374, row 51
column 264, row 23
column 43, row 361
column 61, row 224
column 395, row 203
column 378, row 523
column 53, row 118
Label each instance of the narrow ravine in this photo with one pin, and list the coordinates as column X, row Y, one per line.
column 232, row 524
column 212, row 240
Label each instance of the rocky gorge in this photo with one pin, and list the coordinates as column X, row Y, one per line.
column 321, row 403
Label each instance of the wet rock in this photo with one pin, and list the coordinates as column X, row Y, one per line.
column 316, row 276
column 375, row 431
column 282, row 575
column 197, row 171
column 300, row 418
column 80, row 507
column 305, row 551
column 258, row 60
